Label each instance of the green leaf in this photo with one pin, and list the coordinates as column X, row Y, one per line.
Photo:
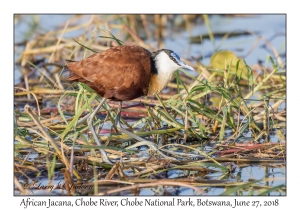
column 112, row 37
column 222, row 131
column 76, row 117
column 85, row 46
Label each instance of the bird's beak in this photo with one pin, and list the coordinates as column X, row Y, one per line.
column 186, row 66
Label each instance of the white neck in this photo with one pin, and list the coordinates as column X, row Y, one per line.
column 165, row 70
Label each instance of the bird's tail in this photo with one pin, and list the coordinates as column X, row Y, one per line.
column 73, row 76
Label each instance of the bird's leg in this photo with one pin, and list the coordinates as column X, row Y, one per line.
column 118, row 117
column 82, row 120
column 91, row 127
column 118, row 125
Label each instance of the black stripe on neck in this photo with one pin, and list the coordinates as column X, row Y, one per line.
column 153, row 66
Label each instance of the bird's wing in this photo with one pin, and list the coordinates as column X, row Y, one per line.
column 114, row 68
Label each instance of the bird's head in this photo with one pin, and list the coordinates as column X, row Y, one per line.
column 168, row 61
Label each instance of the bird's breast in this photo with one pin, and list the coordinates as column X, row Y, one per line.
column 154, row 85
column 158, row 82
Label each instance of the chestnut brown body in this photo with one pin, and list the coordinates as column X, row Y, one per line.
column 119, row 73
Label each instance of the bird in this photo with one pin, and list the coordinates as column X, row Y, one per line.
column 123, row 73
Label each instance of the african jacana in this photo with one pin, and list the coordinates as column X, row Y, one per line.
column 124, row 73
